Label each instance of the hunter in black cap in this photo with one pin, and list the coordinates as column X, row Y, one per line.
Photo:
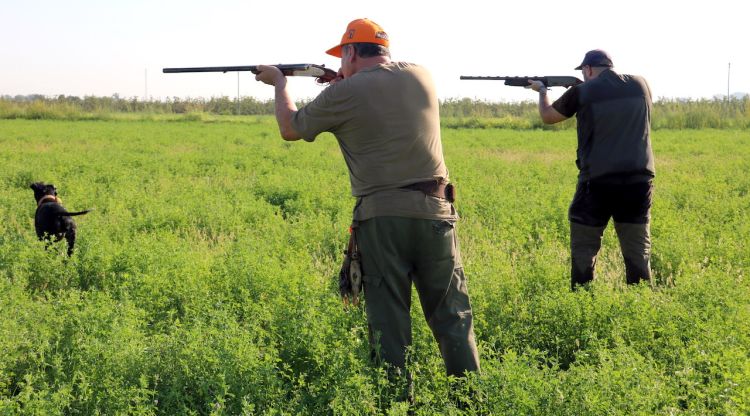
column 615, row 163
column 596, row 57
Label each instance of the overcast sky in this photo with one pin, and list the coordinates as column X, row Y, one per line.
column 83, row 47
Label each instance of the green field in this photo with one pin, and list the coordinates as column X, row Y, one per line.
column 203, row 281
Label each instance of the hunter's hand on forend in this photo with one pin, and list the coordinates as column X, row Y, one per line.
column 270, row 75
column 535, row 85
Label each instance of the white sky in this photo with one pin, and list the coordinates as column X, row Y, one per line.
column 86, row 47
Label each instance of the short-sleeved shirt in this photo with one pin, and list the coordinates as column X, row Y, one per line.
column 387, row 123
column 614, row 120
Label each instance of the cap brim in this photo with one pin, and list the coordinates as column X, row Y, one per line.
column 593, row 66
column 335, row 51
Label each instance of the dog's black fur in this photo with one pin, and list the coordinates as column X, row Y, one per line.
column 51, row 219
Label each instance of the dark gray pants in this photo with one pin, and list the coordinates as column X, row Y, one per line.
column 635, row 244
column 629, row 206
column 397, row 251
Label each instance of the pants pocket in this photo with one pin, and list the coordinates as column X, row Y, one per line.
column 443, row 226
column 373, row 280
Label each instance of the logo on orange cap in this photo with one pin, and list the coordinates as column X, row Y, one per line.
column 361, row 31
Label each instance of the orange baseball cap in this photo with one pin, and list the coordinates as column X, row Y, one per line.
column 361, row 31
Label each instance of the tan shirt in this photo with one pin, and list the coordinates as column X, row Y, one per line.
column 387, row 123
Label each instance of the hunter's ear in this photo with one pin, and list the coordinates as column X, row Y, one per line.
column 348, row 52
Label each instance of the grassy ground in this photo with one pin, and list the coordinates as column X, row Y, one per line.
column 203, row 281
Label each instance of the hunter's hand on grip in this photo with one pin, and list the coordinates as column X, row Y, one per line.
column 328, row 77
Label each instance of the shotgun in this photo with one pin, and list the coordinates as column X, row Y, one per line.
column 549, row 81
column 322, row 74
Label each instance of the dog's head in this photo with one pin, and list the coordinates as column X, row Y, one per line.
column 41, row 190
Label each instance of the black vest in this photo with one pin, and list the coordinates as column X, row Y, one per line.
column 614, row 123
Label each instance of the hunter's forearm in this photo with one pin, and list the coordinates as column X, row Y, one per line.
column 544, row 102
column 285, row 109
column 548, row 113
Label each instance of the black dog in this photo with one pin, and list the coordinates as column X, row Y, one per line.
column 51, row 219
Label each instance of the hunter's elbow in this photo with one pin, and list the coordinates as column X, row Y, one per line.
column 550, row 116
column 289, row 134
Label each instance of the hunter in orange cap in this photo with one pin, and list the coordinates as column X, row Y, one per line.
column 385, row 117
column 361, row 31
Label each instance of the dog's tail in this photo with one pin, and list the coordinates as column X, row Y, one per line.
column 73, row 214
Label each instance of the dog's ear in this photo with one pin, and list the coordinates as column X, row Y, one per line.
column 36, row 186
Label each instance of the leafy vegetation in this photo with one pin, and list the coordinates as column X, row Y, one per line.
column 203, row 281
column 457, row 113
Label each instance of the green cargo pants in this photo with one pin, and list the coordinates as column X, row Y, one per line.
column 397, row 251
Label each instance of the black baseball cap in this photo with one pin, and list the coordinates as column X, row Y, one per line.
column 596, row 57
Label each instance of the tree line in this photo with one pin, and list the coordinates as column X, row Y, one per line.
column 732, row 112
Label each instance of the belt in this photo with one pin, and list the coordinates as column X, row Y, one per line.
column 435, row 188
